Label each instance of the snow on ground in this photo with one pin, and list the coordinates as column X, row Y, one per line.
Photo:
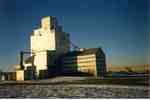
column 70, row 90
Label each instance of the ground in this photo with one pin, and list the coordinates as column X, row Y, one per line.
column 76, row 87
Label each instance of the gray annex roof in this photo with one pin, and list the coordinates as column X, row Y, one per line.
column 85, row 51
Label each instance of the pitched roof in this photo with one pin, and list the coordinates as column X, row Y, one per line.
column 85, row 51
column 89, row 51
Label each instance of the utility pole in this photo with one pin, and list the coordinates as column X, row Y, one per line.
column 21, row 60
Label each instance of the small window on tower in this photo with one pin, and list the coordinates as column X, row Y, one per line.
column 52, row 27
column 40, row 33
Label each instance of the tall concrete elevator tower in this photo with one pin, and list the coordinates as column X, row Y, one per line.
column 46, row 39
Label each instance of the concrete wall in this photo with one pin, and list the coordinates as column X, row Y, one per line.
column 40, row 61
column 43, row 40
column 48, row 38
column 87, row 64
column 83, row 63
column 20, row 75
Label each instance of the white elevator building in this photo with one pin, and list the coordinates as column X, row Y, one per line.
column 50, row 54
column 46, row 39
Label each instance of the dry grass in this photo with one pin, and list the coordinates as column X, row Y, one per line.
column 125, row 68
column 143, row 81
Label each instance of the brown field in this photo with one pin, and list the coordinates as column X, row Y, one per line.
column 134, row 68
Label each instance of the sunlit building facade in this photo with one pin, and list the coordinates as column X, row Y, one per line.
column 91, row 61
column 47, row 43
column 50, row 54
column 48, row 39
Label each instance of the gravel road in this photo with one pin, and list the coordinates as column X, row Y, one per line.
column 49, row 89
column 73, row 91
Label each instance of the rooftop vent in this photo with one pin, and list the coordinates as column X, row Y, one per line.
column 81, row 49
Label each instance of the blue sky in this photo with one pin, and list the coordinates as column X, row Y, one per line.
column 120, row 27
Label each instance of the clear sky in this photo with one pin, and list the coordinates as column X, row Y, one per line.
column 120, row 27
